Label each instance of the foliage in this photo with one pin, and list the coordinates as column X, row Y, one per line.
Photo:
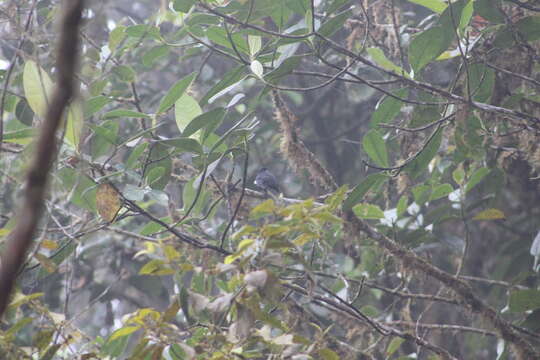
column 154, row 243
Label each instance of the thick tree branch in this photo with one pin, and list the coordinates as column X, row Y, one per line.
column 21, row 238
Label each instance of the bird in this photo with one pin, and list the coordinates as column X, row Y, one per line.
column 266, row 181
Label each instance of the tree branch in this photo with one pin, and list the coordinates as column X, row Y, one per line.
column 36, row 181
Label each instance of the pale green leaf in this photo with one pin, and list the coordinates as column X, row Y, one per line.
column 74, row 124
column 437, row 6
column 255, row 44
column 186, row 109
column 37, row 87
column 368, row 211
column 257, row 68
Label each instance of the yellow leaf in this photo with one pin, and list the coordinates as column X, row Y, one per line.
column 264, row 208
column 230, row 259
column 272, row 229
column 304, row 238
column 49, row 244
column 245, row 244
column 107, row 202
column 150, row 248
column 490, row 214
column 155, row 267
column 4, row 231
column 171, row 253
column 47, row 263
column 20, row 299
column 125, row 331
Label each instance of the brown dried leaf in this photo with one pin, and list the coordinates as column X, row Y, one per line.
column 108, row 202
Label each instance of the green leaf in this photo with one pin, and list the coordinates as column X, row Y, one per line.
column 135, row 155
column 298, row 6
column 10, row 103
column 23, row 136
column 375, row 147
column 74, row 124
column 96, row 87
column 145, row 30
column 114, row 348
column 335, row 5
column 524, row 300
column 84, row 195
column 441, row 191
column 24, row 113
column 286, row 67
column 226, row 84
column 94, row 104
column 154, row 175
column 186, row 109
column 37, row 87
column 19, row 325
column 211, row 117
column 475, row 178
column 458, row 175
column 388, row 108
column 380, row 59
column 415, row 167
column 184, row 144
column 449, row 18
column 134, row 193
column 360, row 190
column 481, row 82
column 183, row 5
column 160, row 156
column 155, row 53
column 124, row 113
column 116, row 36
column 466, row 15
column 394, row 346
column 219, row 140
column 202, row 19
column 124, row 72
column 334, row 23
column 421, row 193
column 402, row 205
column 489, row 10
column 327, row 354
column 219, row 36
column 529, row 27
column 175, row 92
column 437, row 6
column 125, row 331
column 428, row 45
column 368, row 211
column 189, row 194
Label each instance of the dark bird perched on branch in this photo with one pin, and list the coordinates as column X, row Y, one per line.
column 267, row 182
